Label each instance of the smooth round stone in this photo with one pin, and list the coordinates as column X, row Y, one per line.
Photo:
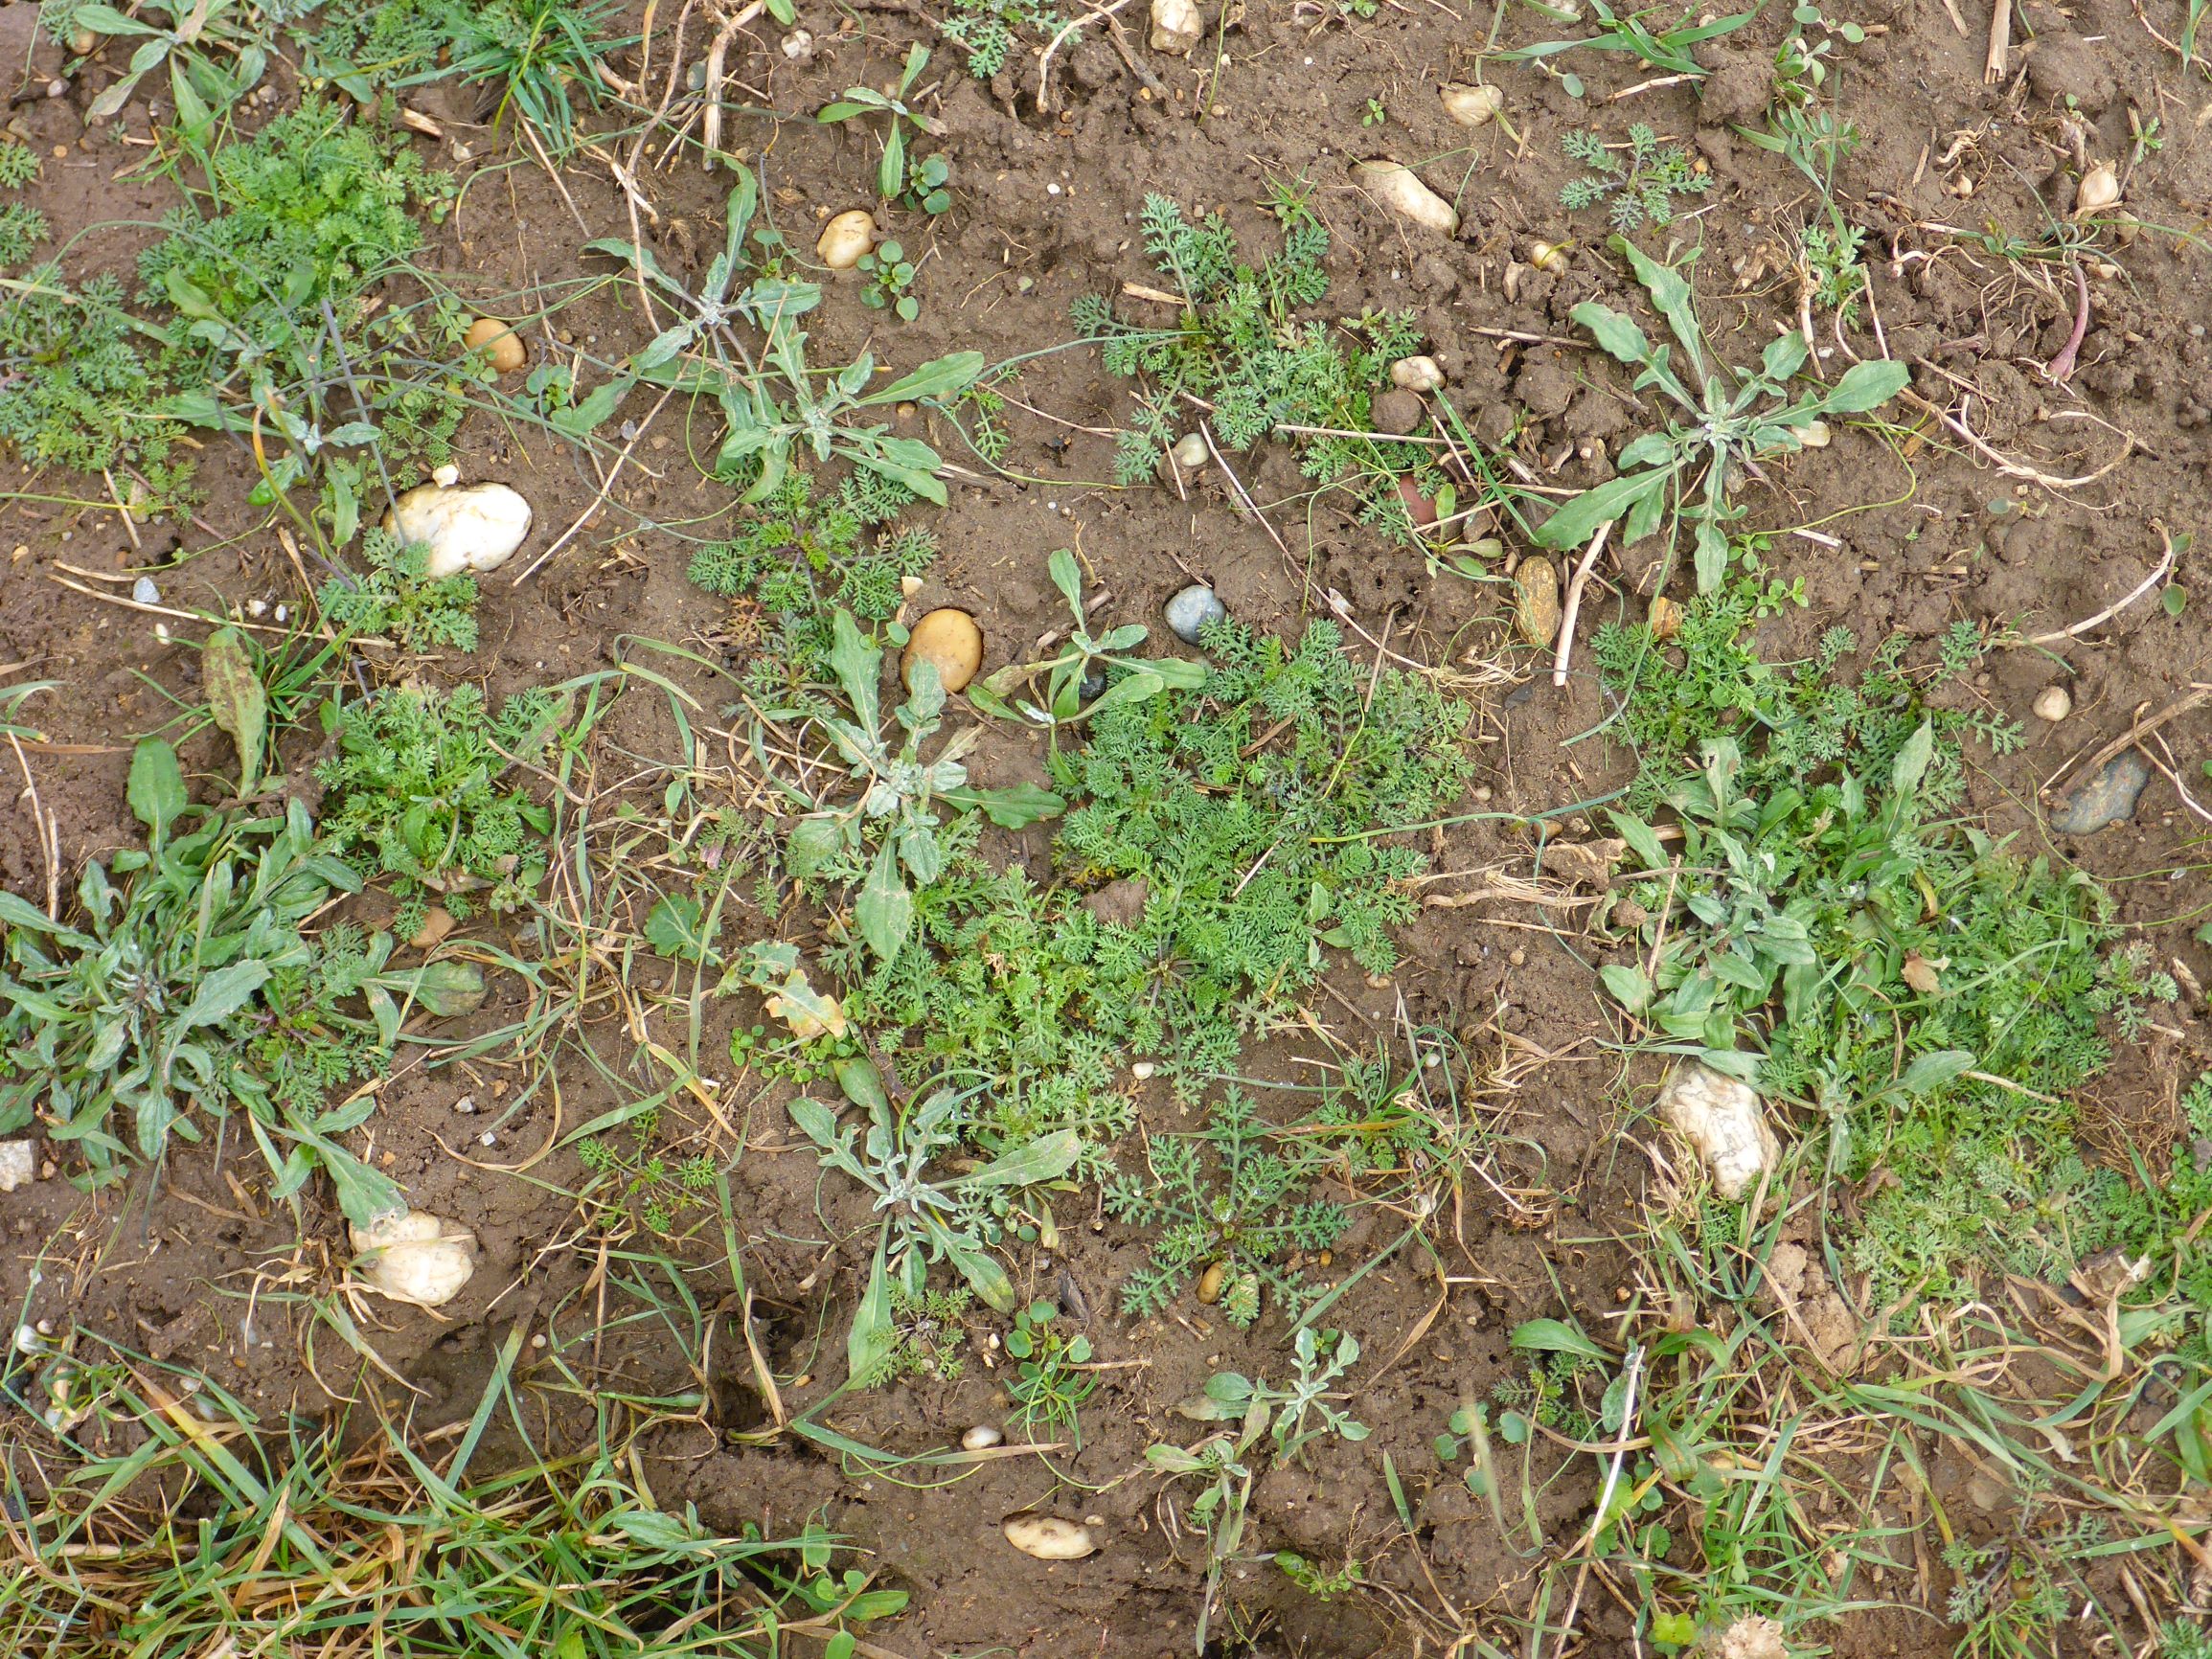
column 502, row 348
column 950, row 639
column 1193, row 609
column 981, row 1437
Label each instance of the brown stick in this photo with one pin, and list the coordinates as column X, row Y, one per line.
column 2001, row 42
column 1574, row 603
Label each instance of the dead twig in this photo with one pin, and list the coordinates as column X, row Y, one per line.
column 598, row 501
column 1574, row 602
column 2157, row 574
column 2001, row 42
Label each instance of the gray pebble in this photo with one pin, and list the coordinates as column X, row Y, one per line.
column 143, row 592
column 2106, row 799
column 1193, row 609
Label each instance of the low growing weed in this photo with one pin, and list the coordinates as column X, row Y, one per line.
column 418, row 793
column 642, row 1181
column 22, row 226
column 1729, row 418
column 1636, row 190
column 797, row 561
column 1047, row 1386
column 1822, row 931
column 992, row 29
column 1240, row 346
column 187, row 992
column 1231, row 1218
column 393, row 599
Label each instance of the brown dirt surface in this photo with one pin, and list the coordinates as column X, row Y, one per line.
column 201, row 1266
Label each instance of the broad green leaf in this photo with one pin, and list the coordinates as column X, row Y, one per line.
column 1642, row 839
column 1710, row 556
column 1010, row 808
column 1068, row 580
column 236, row 699
column 1555, row 1336
column 857, row 663
column 364, row 1193
column 1576, row 521
column 745, row 198
column 935, row 378
column 862, row 1084
column 981, row 1270
column 1784, row 356
column 444, row 988
column 1129, row 688
column 873, row 1334
column 1912, row 760
column 885, row 908
column 1867, row 386
column 672, row 927
column 891, row 171
column 1628, row 985
column 1929, row 1072
column 1045, row 1159
column 1671, row 294
column 156, row 789
column 596, row 409
column 846, row 110
column 1616, row 333
column 641, row 258
column 223, row 993
column 663, row 348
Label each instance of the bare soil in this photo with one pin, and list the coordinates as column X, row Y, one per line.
column 1045, row 212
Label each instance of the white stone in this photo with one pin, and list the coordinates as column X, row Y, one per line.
column 413, row 1256
column 18, row 1163
column 475, row 526
column 1177, row 27
column 1725, row 1119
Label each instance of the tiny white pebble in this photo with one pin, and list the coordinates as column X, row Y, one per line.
column 465, row 1104
column 46, row 1328
column 1142, row 1070
column 282, row 613
column 142, row 591
column 537, row 1341
column 1052, row 190
column 488, row 1139
column 161, row 632
column 256, row 608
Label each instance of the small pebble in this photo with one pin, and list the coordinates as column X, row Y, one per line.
column 1191, row 452
column 981, row 1437
column 1192, row 609
column 1142, row 1070
column 143, row 592
column 2109, row 797
column 950, row 639
column 1210, row 1283
column 1049, row 1538
column 465, row 1105
column 2054, row 703
column 282, row 613
column 1537, row 601
column 488, row 1139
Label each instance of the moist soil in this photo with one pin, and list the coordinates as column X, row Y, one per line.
column 194, row 1267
